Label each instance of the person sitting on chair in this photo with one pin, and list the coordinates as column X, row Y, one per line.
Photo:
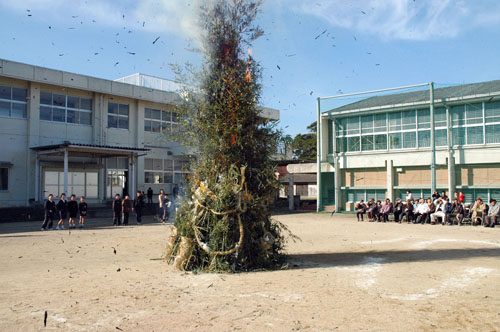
column 385, row 210
column 398, row 209
column 360, row 210
column 494, row 211
column 421, row 212
column 439, row 212
column 372, row 210
column 478, row 211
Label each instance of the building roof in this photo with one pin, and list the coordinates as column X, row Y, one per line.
column 415, row 98
column 96, row 147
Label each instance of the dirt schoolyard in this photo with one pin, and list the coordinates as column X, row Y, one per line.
column 342, row 276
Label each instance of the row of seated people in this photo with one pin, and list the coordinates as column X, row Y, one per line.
column 429, row 211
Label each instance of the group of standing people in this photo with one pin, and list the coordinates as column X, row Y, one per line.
column 62, row 209
column 122, row 208
column 430, row 210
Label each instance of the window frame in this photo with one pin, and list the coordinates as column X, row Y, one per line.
column 66, row 109
column 118, row 115
column 11, row 101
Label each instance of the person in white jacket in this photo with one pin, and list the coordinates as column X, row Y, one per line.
column 421, row 211
column 439, row 212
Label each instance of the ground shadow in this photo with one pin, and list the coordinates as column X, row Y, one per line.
column 338, row 259
column 97, row 223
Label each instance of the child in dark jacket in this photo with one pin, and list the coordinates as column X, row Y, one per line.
column 62, row 208
column 83, row 211
column 72, row 211
column 126, row 207
column 117, row 210
column 49, row 207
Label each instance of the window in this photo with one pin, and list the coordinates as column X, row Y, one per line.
column 409, row 140
column 409, row 120
column 458, row 115
column 459, row 136
column 492, row 112
column 4, row 178
column 353, row 143
column 157, row 121
column 424, row 119
column 62, row 108
column 475, row 135
column 440, row 117
column 352, row 126
column 164, row 171
column 395, row 141
column 118, row 115
column 367, row 143
column 441, row 137
column 493, row 133
column 381, row 142
column 379, row 123
column 395, row 121
column 474, row 114
column 13, row 102
column 424, row 138
column 367, row 124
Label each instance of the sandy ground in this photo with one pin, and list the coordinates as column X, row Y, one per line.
column 348, row 276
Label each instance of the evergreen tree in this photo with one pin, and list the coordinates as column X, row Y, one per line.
column 225, row 223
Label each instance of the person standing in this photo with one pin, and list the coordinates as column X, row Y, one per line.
column 72, row 211
column 175, row 191
column 126, row 207
column 138, row 206
column 83, row 211
column 166, row 208
column 150, row 196
column 461, row 197
column 409, row 195
column 160, row 204
column 49, row 207
column 62, row 209
column 117, row 210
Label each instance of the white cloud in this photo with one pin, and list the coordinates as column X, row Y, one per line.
column 404, row 19
column 161, row 16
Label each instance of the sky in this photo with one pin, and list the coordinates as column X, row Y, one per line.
column 310, row 49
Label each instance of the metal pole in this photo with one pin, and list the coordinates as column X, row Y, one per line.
column 66, row 171
column 319, row 206
column 291, row 202
column 451, row 159
column 37, row 179
column 433, row 139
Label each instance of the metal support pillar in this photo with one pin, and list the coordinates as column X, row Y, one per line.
column 433, row 139
column 37, row 179
column 291, row 205
column 319, row 205
column 390, row 180
column 65, row 171
column 451, row 157
column 336, row 164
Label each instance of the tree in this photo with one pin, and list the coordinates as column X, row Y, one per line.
column 225, row 224
column 304, row 145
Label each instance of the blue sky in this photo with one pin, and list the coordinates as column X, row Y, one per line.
column 368, row 44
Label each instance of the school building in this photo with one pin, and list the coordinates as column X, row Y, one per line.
column 64, row 132
column 381, row 146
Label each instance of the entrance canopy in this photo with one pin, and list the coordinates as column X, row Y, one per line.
column 68, row 149
column 87, row 150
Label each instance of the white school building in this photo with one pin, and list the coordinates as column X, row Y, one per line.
column 64, row 132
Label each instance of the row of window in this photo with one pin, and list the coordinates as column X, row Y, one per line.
column 472, row 124
column 13, row 102
column 164, row 171
column 76, row 110
column 64, row 108
column 159, row 121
